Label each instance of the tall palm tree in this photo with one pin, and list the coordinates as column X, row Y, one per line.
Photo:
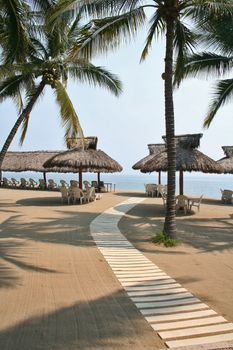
column 168, row 19
column 50, row 63
column 215, row 62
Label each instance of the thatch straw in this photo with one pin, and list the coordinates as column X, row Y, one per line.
column 187, row 157
column 29, row 161
column 227, row 162
column 87, row 160
column 90, row 142
column 188, row 141
column 154, row 148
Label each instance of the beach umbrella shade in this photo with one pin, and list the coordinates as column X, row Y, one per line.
column 188, row 158
column 84, row 160
column 154, row 148
column 227, row 161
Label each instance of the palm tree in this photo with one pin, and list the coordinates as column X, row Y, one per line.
column 215, row 63
column 168, row 19
column 50, row 63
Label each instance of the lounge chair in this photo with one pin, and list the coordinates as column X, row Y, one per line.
column 182, row 203
column 76, row 194
column 64, row 194
column 42, row 184
column 226, row 196
column 51, row 184
column 14, row 182
column 90, row 195
column 195, row 203
column 32, row 183
column 23, row 183
column 6, row 182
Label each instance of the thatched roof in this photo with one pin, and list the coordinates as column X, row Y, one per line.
column 88, row 160
column 188, row 158
column 29, row 161
column 89, row 142
column 154, row 148
column 227, row 162
column 188, row 141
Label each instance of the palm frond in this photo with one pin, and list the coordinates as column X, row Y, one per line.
column 184, row 43
column 100, row 36
column 223, row 93
column 203, row 64
column 96, row 76
column 68, row 114
column 11, row 86
column 157, row 27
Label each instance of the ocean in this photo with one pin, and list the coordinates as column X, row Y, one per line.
column 194, row 183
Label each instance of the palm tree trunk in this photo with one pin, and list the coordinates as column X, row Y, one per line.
column 170, row 219
column 19, row 121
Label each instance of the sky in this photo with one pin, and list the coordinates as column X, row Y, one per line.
column 125, row 125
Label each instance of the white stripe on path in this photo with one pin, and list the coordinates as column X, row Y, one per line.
column 173, row 312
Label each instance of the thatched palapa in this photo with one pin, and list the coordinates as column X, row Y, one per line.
column 227, row 162
column 84, row 158
column 188, row 158
column 154, row 148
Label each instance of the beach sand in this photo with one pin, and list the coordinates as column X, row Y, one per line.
column 58, row 292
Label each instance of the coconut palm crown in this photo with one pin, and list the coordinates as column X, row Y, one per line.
column 50, row 64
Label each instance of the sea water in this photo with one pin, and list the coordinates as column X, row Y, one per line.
column 194, row 183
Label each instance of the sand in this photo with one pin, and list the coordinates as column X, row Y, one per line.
column 57, row 291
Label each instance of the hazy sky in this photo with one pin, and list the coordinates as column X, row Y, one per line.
column 125, row 125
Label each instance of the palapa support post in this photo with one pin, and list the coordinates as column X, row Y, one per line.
column 181, row 182
column 159, row 178
column 98, row 180
column 44, row 177
column 0, row 178
column 80, row 176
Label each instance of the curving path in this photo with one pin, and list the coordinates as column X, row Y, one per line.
column 179, row 317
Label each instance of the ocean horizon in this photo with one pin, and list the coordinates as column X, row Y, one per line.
column 194, row 183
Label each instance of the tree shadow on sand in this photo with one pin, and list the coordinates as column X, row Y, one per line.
column 109, row 322
column 205, row 234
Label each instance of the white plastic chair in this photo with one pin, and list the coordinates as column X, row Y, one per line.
column 76, row 194
column 90, row 195
column 64, row 194
column 182, row 203
column 51, row 184
column 226, row 196
column 196, row 203
column 63, row 183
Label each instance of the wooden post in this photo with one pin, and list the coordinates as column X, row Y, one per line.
column 181, row 182
column 0, row 178
column 44, row 177
column 98, row 180
column 80, row 178
column 159, row 178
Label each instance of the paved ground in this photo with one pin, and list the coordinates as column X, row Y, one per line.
column 56, row 290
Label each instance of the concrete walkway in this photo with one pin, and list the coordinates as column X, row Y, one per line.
column 179, row 317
